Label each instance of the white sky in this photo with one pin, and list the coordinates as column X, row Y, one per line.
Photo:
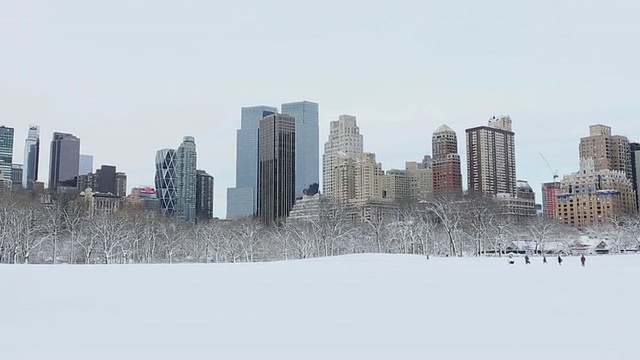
column 131, row 77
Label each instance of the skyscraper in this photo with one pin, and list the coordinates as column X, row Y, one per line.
column 65, row 158
column 86, row 164
column 6, row 151
column 345, row 142
column 549, row 200
column 204, row 195
column 307, row 143
column 447, row 177
column 121, row 184
column 241, row 199
column 491, row 158
column 607, row 151
column 106, row 179
column 166, row 180
column 276, row 167
column 31, row 157
column 187, row 162
column 635, row 168
column 369, row 177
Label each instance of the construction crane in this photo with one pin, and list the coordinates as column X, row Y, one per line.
column 555, row 173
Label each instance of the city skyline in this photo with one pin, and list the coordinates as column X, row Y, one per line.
column 444, row 64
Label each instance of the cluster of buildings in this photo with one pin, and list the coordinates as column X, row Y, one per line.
column 605, row 187
column 180, row 188
column 278, row 158
column 278, row 166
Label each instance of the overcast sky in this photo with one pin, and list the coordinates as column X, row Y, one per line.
column 131, row 77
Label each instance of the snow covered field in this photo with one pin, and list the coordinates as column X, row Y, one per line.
column 348, row 307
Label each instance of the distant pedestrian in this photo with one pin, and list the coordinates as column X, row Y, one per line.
column 544, row 259
column 511, row 260
column 559, row 260
column 583, row 259
column 526, row 259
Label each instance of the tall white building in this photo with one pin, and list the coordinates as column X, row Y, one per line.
column 369, row 177
column 345, row 142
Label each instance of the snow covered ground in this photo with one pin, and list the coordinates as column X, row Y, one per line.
column 348, row 307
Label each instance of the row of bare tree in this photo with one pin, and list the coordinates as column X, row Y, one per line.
column 32, row 232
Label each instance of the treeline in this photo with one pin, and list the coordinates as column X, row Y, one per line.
column 32, row 232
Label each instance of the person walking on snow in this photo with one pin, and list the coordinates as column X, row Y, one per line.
column 559, row 260
column 544, row 259
column 526, row 259
column 583, row 259
column 511, row 261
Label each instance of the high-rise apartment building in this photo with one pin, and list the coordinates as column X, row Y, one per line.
column 241, row 199
column 31, row 157
column 276, row 167
column 368, row 174
column 86, row 164
column 592, row 196
column 447, row 176
column 607, row 151
column 121, row 184
column 491, row 158
column 550, row 190
column 412, row 184
column 635, row 168
column 6, row 150
column 166, row 180
column 204, row 195
column 345, row 142
column 307, row 143
column 187, row 163
column 64, row 159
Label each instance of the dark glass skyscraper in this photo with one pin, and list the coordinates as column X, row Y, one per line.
column 204, row 195
column 6, row 151
column 31, row 157
column 65, row 158
column 276, row 167
column 307, row 143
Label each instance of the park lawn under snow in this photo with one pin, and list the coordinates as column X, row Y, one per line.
column 349, row 307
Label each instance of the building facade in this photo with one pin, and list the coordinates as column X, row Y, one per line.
column 550, row 190
column 590, row 196
column 16, row 174
column 31, row 157
column 345, row 142
column 86, row 164
column 369, row 175
column 276, row 167
column 187, row 163
column 64, row 158
column 635, row 168
column 242, row 199
column 491, row 158
column 166, row 181
column 204, row 195
column 121, row 184
column 6, row 150
column 608, row 151
column 106, row 180
column 447, row 176
column 307, row 143
column 412, row 184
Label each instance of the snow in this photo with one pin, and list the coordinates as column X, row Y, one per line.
column 349, row 307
